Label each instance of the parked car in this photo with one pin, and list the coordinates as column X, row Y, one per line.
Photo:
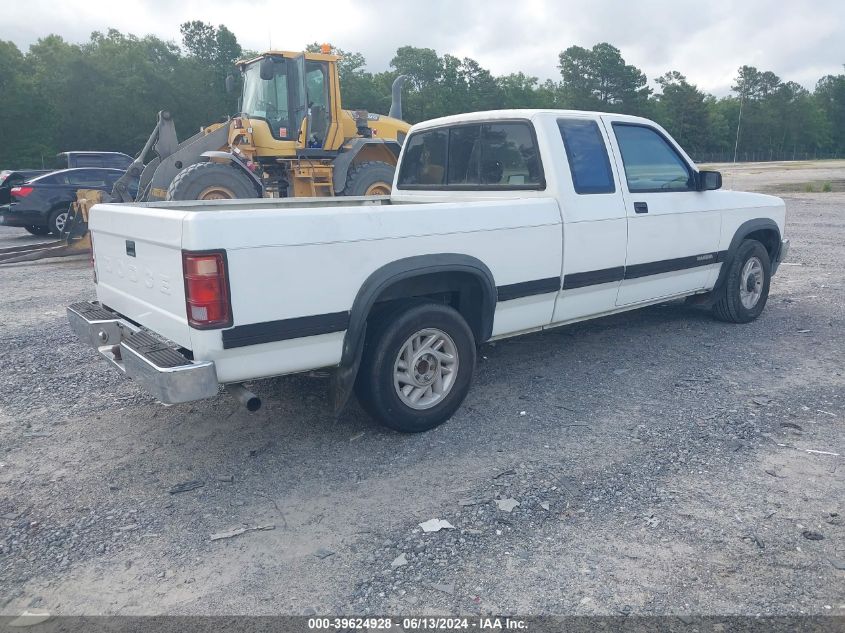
column 499, row 223
column 41, row 205
column 114, row 160
column 11, row 177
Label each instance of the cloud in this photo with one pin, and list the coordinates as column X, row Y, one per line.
column 799, row 41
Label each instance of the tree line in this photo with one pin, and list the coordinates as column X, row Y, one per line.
column 104, row 94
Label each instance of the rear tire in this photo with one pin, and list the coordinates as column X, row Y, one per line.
column 417, row 366
column 745, row 290
column 374, row 178
column 211, row 181
column 57, row 222
column 37, row 230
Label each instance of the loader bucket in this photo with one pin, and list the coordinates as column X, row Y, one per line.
column 74, row 239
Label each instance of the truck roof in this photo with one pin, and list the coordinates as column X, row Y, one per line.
column 488, row 115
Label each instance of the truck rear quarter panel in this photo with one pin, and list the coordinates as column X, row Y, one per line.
column 299, row 263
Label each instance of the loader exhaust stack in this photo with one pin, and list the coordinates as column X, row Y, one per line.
column 396, row 97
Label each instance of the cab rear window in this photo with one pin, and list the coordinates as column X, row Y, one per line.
column 481, row 156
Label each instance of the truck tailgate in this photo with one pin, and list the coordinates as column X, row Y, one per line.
column 138, row 259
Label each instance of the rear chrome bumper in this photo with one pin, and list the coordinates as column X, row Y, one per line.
column 158, row 366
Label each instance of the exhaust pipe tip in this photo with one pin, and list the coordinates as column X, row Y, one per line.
column 245, row 397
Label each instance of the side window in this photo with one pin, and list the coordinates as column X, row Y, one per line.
column 315, row 84
column 587, row 154
column 509, row 155
column 464, row 155
column 424, row 161
column 486, row 156
column 117, row 162
column 651, row 163
column 316, row 87
column 112, row 177
column 89, row 161
column 86, row 177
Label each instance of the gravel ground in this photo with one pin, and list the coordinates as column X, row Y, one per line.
column 663, row 463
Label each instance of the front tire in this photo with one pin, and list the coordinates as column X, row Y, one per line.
column 373, row 178
column 745, row 290
column 211, row 181
column 417, row 366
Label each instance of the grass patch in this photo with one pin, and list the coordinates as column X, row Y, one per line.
column 809, row 186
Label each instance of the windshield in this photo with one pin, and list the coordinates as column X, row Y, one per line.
column 268, row 100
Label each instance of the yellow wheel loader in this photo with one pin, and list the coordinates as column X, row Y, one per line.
column 292, row 139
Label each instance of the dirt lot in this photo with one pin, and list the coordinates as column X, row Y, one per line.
column 663, row 463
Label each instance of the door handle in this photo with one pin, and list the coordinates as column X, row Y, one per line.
column 640, row 207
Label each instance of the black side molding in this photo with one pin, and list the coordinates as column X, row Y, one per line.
column 635, row 271
column 593, row 277
column 528, row 288
column 284, row 329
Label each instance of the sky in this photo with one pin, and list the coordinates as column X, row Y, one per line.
column 705, row 40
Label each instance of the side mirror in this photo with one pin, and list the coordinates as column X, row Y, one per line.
column 230, row 84
column 265, row 69
column 709, row 180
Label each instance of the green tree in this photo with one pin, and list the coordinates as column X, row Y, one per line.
column 212, row 53
column 357, row 86
column 682, row 109
column 28, row 128
column 217, row 47
column 424, row 70
column 599, row 79
column 519, row 90
column 829, row 96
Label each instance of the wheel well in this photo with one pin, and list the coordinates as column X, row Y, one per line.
column 462, row 291
column 374, row 152
column 768, row 238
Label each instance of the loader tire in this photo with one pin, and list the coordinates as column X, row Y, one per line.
column 373, row 178
column 211, row 181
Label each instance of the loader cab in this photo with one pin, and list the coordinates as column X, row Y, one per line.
column 292, row 103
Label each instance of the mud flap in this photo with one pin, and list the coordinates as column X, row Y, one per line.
column 343, row 379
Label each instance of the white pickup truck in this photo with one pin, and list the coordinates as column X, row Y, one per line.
column 499, row 223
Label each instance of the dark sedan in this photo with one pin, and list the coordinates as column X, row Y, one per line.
column 41, row 205
column 11, row 177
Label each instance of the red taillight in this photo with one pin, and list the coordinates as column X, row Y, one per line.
column 206, row 290
column 20, row 192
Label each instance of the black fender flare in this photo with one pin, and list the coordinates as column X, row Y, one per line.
column 235, row 160
column 746, row 228
column 344, row 160
column 389, row 274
